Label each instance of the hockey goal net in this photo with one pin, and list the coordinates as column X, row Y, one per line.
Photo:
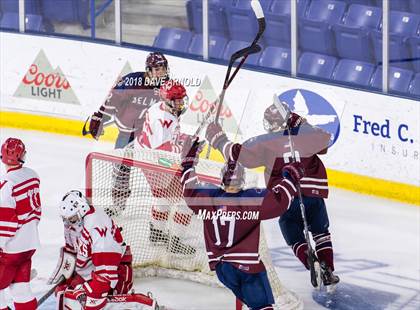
column 141, row 191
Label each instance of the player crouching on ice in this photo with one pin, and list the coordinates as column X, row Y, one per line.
column 20, row 212
column 95, row 264
column 231, row 238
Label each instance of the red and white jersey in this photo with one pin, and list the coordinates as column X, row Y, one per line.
column 97, row 243
column 161, row 130
column 20, row 210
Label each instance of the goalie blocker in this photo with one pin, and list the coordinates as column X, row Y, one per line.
column 95, row 261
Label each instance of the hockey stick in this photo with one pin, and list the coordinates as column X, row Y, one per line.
column 51, row 291
column 244, row 53
column 86, row 132
column 311, row 253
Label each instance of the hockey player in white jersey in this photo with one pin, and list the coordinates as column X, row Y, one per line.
column 20, row 212
column 161, row 131
column 95, row 262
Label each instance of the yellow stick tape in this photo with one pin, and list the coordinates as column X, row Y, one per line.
column 350, row 181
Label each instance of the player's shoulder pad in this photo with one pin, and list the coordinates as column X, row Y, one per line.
column 131, row 80
column 96, row 218
column 259, row 140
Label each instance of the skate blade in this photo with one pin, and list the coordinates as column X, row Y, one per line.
column 331, row 288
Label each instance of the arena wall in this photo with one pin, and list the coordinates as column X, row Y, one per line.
column 53, row 85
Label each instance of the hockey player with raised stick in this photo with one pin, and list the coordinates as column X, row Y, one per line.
column 127, row 104
column 161, row 131
column 20, row 213
column 95, row 262
column 272, row 151
column 231, row 236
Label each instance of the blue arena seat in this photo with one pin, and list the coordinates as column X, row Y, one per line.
column 402, row 25
column 414, row 88
column 414, row 44
column 414, row 6
column 315, row 29
column 352, row 37
column 318, row 65
column 70, row 11
column 275, row 57
column 241, row 20
column 235, row 45
column 353, row 71
column 399, row 79
column 12, row 6
column 395, row 5
column 277, row 32
column 216, row 45
column 217, row 17
column 173, row 39
column 32, row 22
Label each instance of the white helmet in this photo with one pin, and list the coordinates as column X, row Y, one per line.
column 74, row 206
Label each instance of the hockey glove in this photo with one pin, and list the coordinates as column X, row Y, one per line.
column 216, row 136
column 190, row 151
column 293, row 172
column 295, row 120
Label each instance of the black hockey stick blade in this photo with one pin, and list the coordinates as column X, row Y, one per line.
column 84, row 130
column 315, row 277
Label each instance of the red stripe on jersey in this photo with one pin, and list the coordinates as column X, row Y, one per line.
column 8, row 215
column 17, row 186
column 37, row 218
column 6, row 235
column 2, row 184
column 106, row 258
column 7, row 229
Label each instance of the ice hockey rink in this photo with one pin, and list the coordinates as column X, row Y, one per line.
column 376, row 241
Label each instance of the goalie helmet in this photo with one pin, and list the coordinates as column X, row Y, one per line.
column 13, row 152
column 74, row 206
column 233, row 175
column 174, row 95
column 276, row 116
column 155, row 60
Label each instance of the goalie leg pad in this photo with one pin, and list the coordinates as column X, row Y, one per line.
column 65, row 266
column 125, row 279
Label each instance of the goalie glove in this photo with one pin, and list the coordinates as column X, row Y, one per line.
column 65, row 266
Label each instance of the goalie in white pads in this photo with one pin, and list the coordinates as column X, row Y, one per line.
column 94, row 262
column 20, row 212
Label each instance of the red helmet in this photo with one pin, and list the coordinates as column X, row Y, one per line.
column 156, row 59
column 13, row 152
column 173, row 91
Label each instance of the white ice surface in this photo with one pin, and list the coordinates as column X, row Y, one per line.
column 376, row 241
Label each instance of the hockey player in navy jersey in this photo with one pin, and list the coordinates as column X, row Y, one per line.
column 127, row 104
column 272, row 151
column 231, row 234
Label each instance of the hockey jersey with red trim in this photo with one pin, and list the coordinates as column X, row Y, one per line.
column 97, row 244
column 161, row 130
column 20, row 210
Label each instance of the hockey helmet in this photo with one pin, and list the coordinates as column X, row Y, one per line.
column 175, row 97
column 156, row 59
column 13, row 152
column 74, row 206
column 233, row 175
column 276, row 116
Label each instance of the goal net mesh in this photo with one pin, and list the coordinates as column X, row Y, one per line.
column 141, row 191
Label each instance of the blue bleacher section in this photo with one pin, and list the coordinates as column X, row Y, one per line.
column 353, row 71
column 173, row 39
column 319, row 65
column 33, row 22
column 275, row 57
column 415, row 85
column 399, row 79
column 217, row 45
column 352, row 36
column 235, row 45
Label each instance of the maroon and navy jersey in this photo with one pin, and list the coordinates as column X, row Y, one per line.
column 272, row 151
column 232, row 220
column 128, row 101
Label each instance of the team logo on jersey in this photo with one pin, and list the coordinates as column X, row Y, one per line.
column 101, row 231
column 315, row 108
column 165, row 123
column 43, row 82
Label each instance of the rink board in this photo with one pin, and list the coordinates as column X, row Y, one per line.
column 54, row 84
